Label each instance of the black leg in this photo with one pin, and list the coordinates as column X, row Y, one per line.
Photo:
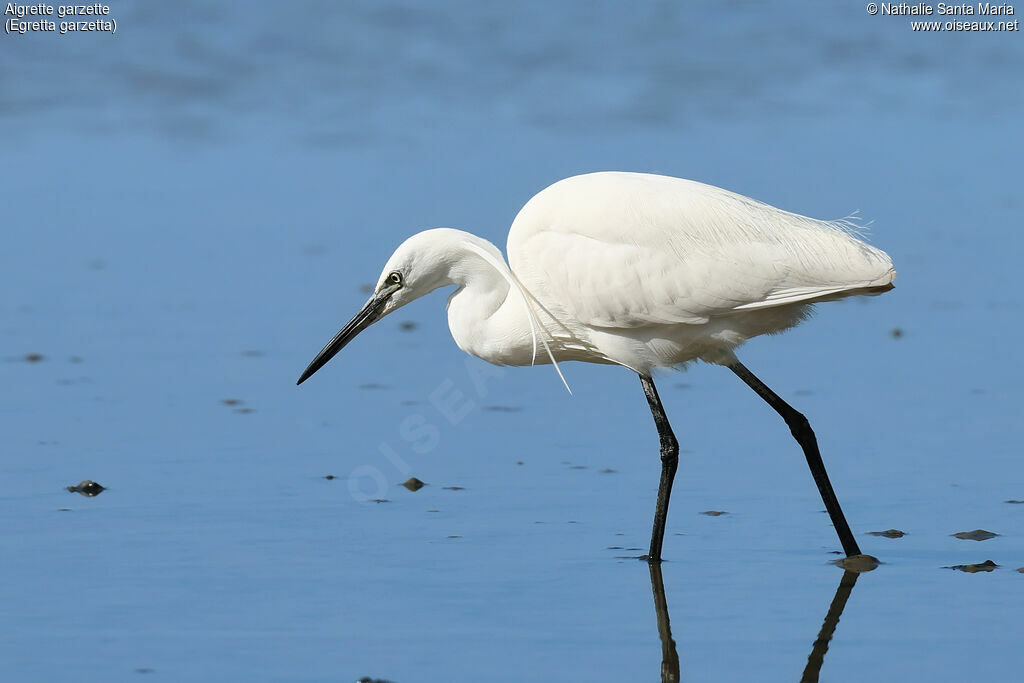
column 669, row 462
column 803, row 434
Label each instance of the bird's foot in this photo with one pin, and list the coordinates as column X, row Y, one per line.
column 650, row 559
column 858, row 563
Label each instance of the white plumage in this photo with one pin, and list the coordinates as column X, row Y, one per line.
column 646, row 271
column 639, row 270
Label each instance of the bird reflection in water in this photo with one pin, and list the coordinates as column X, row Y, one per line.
column 828, row 628
column 670, row 656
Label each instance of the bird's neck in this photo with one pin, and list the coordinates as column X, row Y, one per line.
column 486, row 315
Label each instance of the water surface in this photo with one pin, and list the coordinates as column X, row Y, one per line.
column 191, row 209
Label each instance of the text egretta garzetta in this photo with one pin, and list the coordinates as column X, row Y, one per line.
column 638, row 270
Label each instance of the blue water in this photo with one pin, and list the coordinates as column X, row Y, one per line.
column 192, row 205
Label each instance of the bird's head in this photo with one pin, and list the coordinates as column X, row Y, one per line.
column 420, row 265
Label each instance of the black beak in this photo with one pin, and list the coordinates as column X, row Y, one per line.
column 369, row 314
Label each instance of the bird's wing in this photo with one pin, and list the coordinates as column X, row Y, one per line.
column 625, row 250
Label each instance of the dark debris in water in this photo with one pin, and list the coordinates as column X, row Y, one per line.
column 857, row 563
column 413, row 484
column 87, row 488
column 976, row 535
column 454, row 488
column 714, row 513
column 888, row 533
column 986, row 566
column 1014, row 501
column 380, row 500
column 454, row 536
column 231, row 401
column 34, row 357
column 244, row 411
column 367, row 679
column 896, row 333
column 608, row 470
column 408, row 325
column 1020, row 569
column 329, row 477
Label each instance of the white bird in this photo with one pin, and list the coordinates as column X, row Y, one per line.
column 638, row 270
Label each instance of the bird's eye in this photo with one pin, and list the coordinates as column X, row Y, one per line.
column 395, row 278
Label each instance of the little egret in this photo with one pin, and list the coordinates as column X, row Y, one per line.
column 638, row 270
